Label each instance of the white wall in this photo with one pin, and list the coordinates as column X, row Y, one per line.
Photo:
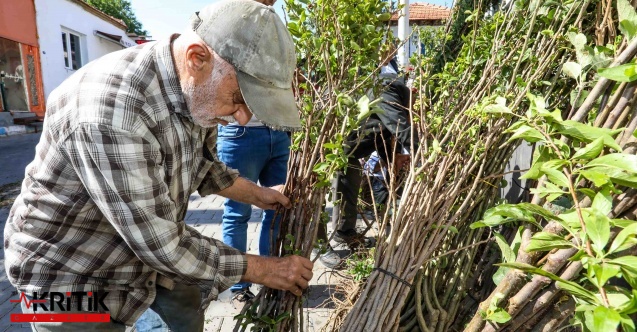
column 412, row 45
column 52, row 16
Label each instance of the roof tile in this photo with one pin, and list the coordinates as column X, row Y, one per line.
column 420, row 11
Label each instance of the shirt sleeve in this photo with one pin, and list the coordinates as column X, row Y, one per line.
column 219, row 176
column 123, row 174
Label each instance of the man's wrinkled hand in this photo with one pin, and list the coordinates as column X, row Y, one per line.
column 271, row 198
column 291, row 273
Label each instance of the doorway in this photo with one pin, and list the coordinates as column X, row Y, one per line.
column 13, row 96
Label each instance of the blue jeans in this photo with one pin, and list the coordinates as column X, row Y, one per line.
column 259, row 154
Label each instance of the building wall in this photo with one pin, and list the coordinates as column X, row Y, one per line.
column 54, row 16
column 414, row 45
column 19, row 58
column 17, row 21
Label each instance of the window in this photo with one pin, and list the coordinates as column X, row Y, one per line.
column 71, row 44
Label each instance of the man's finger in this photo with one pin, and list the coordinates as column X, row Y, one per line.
column 303, row 284
column 307, row 263
column 307, row 275
column 284, row 201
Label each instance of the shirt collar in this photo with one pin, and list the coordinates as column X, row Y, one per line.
column 169, row 78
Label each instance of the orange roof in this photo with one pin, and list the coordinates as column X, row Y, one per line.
column 421, row 11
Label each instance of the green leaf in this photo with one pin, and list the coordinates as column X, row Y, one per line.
column 610, row 142
column 605, row 320
column 572, row 69
column 603, row 272
column 571, row 219
column 330, row 146
column 619, row 176
column 505, row 213
column 499, row 274
column 499, row 316
column 602, row 203
column 534, row 172
column 537, row 102
column 436, row 150
column 577, row 39
column 630, row 307
column 555, row 176
column 321, row 167
column 294, row 29
column 363, row 105
column 627, row 19
column 622, row 240
column 599, row 179
column 578, row 291
column 497, row 108
column 556, row 164
column 507, row 253
column 591, row 150
column 536, row 209
column 491, row 221
column 527, row 133
column 628, row 265
column 621, row 73
column 628, row 262
column 598, row 230
column 544, row 241
column 628, row 325
column 548, row 33
column 550, row 191
column 627, row 162
column 583, row 132
column 588, row 192
column 512, row 211
column 367, row 108
column 575, row 289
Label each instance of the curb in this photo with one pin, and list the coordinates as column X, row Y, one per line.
column 16, row 130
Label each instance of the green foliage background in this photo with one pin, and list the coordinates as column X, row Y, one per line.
column 121, row 9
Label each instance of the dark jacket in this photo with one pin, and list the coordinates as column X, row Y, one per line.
column 379, row 129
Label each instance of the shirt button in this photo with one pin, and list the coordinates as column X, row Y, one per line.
column 149, row 283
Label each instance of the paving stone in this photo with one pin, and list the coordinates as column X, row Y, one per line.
column 5, row 320
column 214, row 324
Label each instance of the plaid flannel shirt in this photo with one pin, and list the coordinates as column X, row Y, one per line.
column 102, row 205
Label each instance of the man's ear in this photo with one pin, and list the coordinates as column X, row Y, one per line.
column 198, row 60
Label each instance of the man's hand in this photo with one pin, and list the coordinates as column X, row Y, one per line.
column 270, row 198
column 291, row 273
column 245, row 191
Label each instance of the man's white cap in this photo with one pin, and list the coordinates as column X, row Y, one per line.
column 252, row 37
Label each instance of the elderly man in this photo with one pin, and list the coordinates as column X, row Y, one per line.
column 126, row 140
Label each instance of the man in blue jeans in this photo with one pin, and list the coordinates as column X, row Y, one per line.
column 260, row 154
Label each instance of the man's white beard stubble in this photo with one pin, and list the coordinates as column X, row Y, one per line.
column 199, row 99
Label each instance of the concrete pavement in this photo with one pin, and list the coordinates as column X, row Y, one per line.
column 16, row 152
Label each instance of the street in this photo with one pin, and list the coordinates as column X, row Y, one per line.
column 16, row 152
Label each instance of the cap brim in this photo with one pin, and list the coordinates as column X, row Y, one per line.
column 273, row 106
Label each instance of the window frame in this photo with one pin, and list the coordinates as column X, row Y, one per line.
column 67, row 52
